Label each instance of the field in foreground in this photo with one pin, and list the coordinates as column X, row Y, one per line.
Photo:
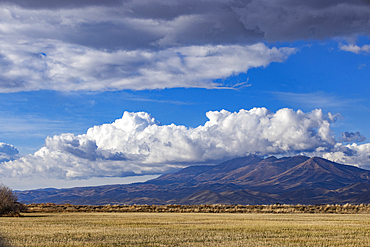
column 191, row 229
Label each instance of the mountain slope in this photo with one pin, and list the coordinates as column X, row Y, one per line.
column 263, row 171
column 206, row 173
column 319, row 173
column 354, row 194
column 247, row 180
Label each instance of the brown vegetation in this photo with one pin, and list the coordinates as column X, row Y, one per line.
column 8, row 202
column 274, row 208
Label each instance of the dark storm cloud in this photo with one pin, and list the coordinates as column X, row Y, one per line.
column 55, row 4
column 289, row 20
column 149, row 24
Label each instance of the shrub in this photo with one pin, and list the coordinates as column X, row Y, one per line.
column 8, row 202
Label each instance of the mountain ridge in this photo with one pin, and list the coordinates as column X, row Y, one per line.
column 245, row 180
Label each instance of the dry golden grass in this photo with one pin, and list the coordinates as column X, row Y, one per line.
column 190, row 229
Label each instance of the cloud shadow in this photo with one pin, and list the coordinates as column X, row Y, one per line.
column 3, row 241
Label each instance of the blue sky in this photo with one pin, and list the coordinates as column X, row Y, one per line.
column 67, row 67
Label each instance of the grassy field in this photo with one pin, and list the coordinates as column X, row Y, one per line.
column 187, row 229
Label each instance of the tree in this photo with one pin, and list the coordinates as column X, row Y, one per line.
column 8, row 202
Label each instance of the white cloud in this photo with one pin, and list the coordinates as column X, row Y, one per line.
column 145, row 44
column 352, row 137
column 351, row 154
column 137, row 144
column 355, row 48
column 8, row 152
column 62, row 67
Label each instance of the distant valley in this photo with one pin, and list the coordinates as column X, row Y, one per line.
column 246, row 180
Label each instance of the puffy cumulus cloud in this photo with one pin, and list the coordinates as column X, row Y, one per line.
column 8, row 152
column 57, row 66
column 355, row 48
column 351, row 154
column 352, row 137
column 139, row 144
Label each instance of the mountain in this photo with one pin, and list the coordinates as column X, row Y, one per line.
column 354, row 194
column 246, row 180
column 242, row 197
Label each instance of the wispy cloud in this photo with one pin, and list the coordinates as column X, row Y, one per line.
column 315, row 99
column 28, row 132
column 132, row 97
column 28, row 125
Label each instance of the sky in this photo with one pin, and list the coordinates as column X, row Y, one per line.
column 120, row 91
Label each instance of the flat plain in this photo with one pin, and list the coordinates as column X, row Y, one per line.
column 185, row 229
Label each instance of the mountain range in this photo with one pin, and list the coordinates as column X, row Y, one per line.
column 246, row 180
